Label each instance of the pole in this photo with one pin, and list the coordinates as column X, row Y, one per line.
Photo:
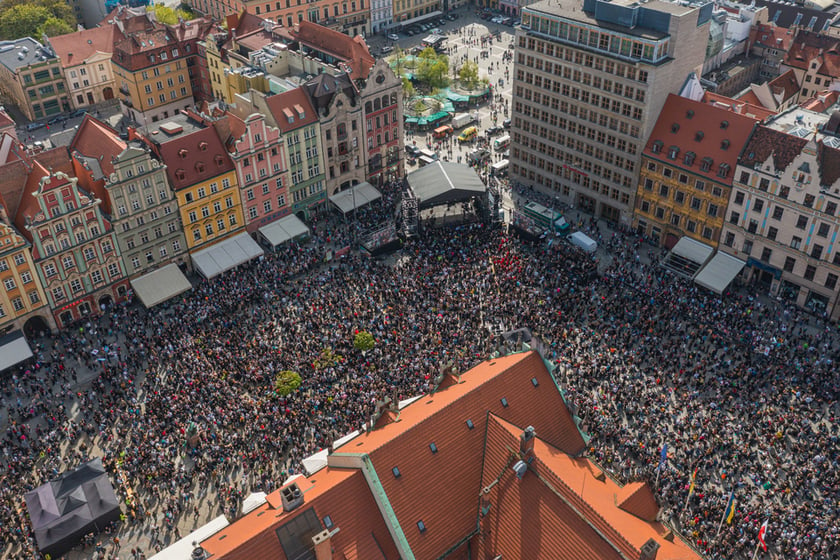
column 723, row 517
column 755, row 554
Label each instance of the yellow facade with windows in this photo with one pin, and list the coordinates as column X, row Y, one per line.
column 155, row 92
column 672, row 202
column 22, row 295
column 211, row 210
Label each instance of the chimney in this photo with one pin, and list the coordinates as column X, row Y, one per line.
column 322, row 546
column 526, row 441
column 291, row 497
column 649, row 550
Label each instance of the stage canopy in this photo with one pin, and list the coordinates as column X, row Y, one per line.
column 66, row 509
column 13, row 350
column 284, row 230
column 355, row 197
column 444, row 182
column 160, row 285
column 687, row 257
column 719, row 272
column 226, row 255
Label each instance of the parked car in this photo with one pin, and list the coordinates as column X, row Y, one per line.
column 34, row 126
column 413, row 150
column 58, row 119
column 393, row 36
column 386, row 49
column 493, row 130
column 506, row 123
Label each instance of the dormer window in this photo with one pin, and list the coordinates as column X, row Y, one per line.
column 675, row 127
column 689, row 114
column 203, row 146
column 706, row 164
column 723, row 170
column 724, row 124
column 673, row 152
column 724, row 145
column 699, row 136
column 220, row 161
column 656, row 147
column 199, row 166
column 689, row 158
column 183, row 153
column 179, row 174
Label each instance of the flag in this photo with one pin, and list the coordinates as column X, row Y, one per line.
column 663, row 457
column 761, row 533
column 691, row 485
column 729, row 513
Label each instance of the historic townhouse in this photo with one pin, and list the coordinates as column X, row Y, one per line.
column 22, row 297
column 86, row 59
column 783, row 212
column 383, row 109
column 687, row 170
column 814, row 58
column 201, row 174
column 32, row 78
column 589, row 81
column 73, row 245
column 134, row 192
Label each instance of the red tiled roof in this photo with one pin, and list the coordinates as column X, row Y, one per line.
column 454, row 471
column 784, row 86
column 821, row 102
column 772, row 36
column 6, row 120
column 73, row 48
column 282, row 107
column 829, row 164
column 742, row 106
column 41, row 167
column 15, row 174
column 563, row 508
column 96, row 139
column 352, row 50
column 703, row 129
column 342, row 494
column 808, row 46
column 637, row 498
column 766, row 142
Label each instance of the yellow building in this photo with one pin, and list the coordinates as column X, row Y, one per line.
column 22, row 297
column 687, row 171
column 202, row 175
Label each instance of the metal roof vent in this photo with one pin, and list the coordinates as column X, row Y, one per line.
column 520, row 468
column 291, row 496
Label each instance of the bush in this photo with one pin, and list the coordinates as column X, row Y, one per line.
column 286, row 382
column 364, row 341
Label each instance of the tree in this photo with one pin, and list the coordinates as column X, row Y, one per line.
column 407, row 87
column 364, row 341
column 26, row 18
column 286, row 382
column 54, row 27
column 468, row 74
column 170, row 16
column 433, row 68
column 326, row 359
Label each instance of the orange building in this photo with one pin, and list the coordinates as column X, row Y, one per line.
column 486, row 466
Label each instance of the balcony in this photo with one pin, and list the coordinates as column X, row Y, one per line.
column 124, row 90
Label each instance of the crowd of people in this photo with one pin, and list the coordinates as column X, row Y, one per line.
column 183, row 408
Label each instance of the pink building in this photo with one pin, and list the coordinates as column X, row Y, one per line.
column 257, row 152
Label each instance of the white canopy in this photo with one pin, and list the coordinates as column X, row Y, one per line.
column 720, row 271
column 252, row 502
column 315, row 462
column 355, row 197
column 13, row 350
column 183, row 548
column 160, row 285
column 285, row 229
column 226, row 255
column 687, row 256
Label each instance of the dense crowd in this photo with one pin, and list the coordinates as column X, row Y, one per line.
column 184, row 405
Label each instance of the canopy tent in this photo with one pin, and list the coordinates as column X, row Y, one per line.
column 355, row 197
column 687, row 257
column 66, row 509
column 160, row 285
column 444, row 182
column 315, row 462
column 226, row 255
column 13, row 350
column 456, row 97
column 719, row 272
column 285, row 229
column 182, row 548
column 253, row 501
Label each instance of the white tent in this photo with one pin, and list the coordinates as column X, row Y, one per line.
column 160, row 285
column 687, row 257
column 226, row 255
column 252, row 502
column 720, row 272
column 285, row 229
column 13, row 350
column 355, row 197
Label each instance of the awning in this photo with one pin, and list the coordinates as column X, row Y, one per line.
column 13, row 350
column 430, row 15
column 719, row 273
column 283, row 230
column 687, row 257
column 183, row 547
column 355, row 197
column 226, row 255
column 160, row 285
column 252, row 502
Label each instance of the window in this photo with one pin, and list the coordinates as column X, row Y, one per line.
column 4, row 266
column 729, row 241
column 208, row 228
column 734, row 218
column 17, row 303
column 802, row 222
column 58, row 293
column 822, row 231
column 75, row 286
column 696, row 203
column 220, row 224
column 49, row 270
column 777, row 212
column 232, row 219
column 766, row 253
column 790, row 262
column 26, row 277
column 809, row 272
column 33, row 297
column 19, row 259
column 196, row 235
column 816, row 251
column 831, row 208
column 96, row 276
column 267, row 206
column 830, row 281
column 772, row 233
column 9, row 283
column 68, row 263
column 90, row 254
column 712, row 210
column 795, row 242
column 758, row 206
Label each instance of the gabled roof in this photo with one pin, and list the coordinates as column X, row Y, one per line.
column 243, row 23
column 829, row 164
column 766, row 142
column 786, row 15
column 341, row 494
column 452, row 475
column 46, row 164
column 97, row 140
column 742, row 106
column 562, row 508
column 74, row 48
column 287, row 108
column 702, row 130
column 820, row 102
column 772, row 36
column 352, row 50
column 324, row 86
column 808, row 46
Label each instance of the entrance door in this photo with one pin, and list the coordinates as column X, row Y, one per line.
column 90, row 98
column 107, row 93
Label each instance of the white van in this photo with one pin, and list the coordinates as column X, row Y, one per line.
column 501, row 144
column 580, row 239
column 499, row 169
